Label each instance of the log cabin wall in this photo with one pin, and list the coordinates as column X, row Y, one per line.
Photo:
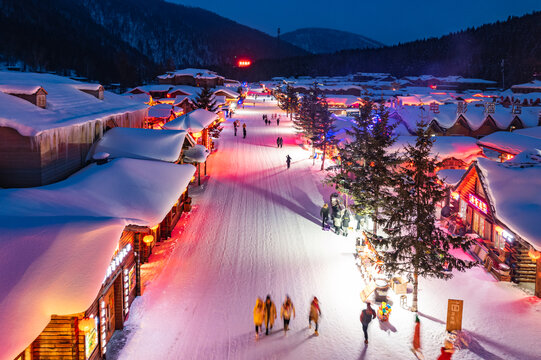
column 59, row 340
column 20, row 163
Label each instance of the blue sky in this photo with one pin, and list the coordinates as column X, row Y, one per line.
column 388, row 21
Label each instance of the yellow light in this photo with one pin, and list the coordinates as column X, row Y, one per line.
column 86, row 324
column 196, row 135
column 154, row 228
column 455, row 195
column 534, row 255
column 148, row 239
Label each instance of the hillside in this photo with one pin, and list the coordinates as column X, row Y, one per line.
column 125, row 41
column 475, row 52
column 327, row 41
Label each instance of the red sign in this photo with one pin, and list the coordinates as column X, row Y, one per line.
column 244, row 63
column 479, row 204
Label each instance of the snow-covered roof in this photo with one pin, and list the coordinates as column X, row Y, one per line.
column 149, row 88
column 57, row 240
column 196, row 73
column 160, row 111
column 147, row 144
column 141, row 191
column 513, row 189
column 345, row 100
column 229, row 93
column 180, row 98
column 451, row 177
column 142, row 98
column 66, row 104
column 49, row 265
column 459, row 147
column 510, row 142
column 194, row 121
column 535, row 84
column 22, row 89
column 532, row 132
column 197, row 153
column 186, row 90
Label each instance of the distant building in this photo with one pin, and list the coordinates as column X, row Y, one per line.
column 192, row 77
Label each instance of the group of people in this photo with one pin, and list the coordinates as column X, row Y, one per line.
column 265, row 313
column 341, row 218
column 236, row 124
column 273, row 117
column 279, row 141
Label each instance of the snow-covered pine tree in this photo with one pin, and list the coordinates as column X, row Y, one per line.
column 414, row 245
column 366, row 166
column 204, row 100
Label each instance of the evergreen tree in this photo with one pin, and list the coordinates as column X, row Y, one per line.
column 324, row 130
column 288, row 101
column 365, row 171
column 205, row 100
column 414, row 245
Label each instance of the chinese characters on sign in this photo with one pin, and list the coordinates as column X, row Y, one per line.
column 454, row 314
column 481, row 205
column 462, row 107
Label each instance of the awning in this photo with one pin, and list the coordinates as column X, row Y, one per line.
column 198, row 153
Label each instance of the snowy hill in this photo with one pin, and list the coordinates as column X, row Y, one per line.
column 321, row 41
column 124, row 41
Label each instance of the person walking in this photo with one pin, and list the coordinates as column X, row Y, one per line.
column 270, row 314
column 358, row 218
column 366, row 317
column 235, row 127
column 285, row 313
column 315, row 312
column 278, row 121
column 345, row 222
column 259, row 312
column 244, row 131
column 337, row 222
column 417, row 336
column 324, row 213
column 278, row 141
column 288, row 161
column 281, row 141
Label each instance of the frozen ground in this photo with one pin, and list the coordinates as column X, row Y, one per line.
column 255, row 231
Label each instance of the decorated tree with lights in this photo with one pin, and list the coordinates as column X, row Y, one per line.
column 205, row 100
column 366, row 165
column 288, row 101
column 414, row 245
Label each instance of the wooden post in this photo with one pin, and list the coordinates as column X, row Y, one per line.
column 538, row 279
column 205, row 167
column 198, row 174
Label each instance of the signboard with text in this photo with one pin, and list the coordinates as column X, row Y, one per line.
column 454, row 314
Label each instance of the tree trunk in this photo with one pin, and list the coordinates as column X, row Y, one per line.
column 415, row 289
column 323, row 158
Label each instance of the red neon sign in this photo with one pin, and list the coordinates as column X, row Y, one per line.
column 479, row 204
column 244, row 63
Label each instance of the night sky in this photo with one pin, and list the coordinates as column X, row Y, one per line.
column 388, row 21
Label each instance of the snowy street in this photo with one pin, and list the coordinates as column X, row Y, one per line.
column 255, row 230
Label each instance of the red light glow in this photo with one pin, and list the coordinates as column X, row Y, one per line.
column 244, row 63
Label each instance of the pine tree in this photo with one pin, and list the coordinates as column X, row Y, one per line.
column 288, row 101
column 324, row 130
column 366, row 165
column 414, row 245
column 204, row 100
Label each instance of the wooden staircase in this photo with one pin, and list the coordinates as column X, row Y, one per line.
column 526, row 268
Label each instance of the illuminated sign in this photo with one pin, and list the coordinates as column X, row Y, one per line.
column 244, row 63
column 117, row 260
column 91, row 340
column 479, row 204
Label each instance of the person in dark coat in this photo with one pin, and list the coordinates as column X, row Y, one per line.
column 358, row 218
column 278, row 141
column 288, row 161
column 244, row 131
column 345, row 222
column 324, row 212
column 278, row 121
column 281, row 141
column 366, row 317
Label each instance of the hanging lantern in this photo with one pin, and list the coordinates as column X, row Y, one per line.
column 86, row 324
column 148, row 239
column 534, row 254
